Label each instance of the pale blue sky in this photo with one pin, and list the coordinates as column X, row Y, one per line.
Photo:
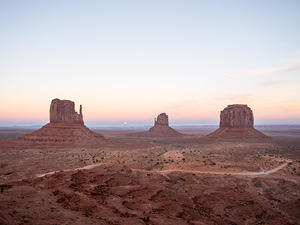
column 130, row 60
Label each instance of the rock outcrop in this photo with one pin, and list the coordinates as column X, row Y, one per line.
column 63, row 111
column 162, row 119
column 236, row 122
column 66, row 127
column 236, row 116
column 161, row 128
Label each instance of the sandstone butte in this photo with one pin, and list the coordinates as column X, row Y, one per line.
column 236, row 122
column 161, row 128
column 66, row 127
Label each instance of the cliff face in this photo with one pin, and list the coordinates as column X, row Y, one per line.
column 236, row 116
column 63, row 111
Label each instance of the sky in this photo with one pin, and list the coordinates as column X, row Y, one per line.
column 127, row 61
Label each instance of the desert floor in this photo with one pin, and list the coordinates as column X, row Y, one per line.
column 161, row 181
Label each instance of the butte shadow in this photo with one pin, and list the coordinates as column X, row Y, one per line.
column 66, row 128
column 237, row 123
column 161, row 128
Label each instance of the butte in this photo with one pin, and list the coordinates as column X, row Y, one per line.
column 161, row 128
column 237, row 122
column 66, row 128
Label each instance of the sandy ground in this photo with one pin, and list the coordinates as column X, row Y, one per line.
column 169, row 181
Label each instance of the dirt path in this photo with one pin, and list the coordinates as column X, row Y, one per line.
column 246, row 173
column 166, row 172
column 67, row 170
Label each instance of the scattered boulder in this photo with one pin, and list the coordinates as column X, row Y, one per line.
column 236, row 122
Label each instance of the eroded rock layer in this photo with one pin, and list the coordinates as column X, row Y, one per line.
column 60, row 133
column 115, row 194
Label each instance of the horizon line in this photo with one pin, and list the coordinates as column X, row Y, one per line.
column 142, row 124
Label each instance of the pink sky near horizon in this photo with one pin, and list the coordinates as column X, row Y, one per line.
column 182, row 112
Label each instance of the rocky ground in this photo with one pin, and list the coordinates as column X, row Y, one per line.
column 128, row 186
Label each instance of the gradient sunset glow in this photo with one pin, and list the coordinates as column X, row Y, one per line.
column 131, row 60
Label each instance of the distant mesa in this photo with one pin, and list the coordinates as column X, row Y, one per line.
column 161, row 128
column 66, row 127
column 236, row 122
